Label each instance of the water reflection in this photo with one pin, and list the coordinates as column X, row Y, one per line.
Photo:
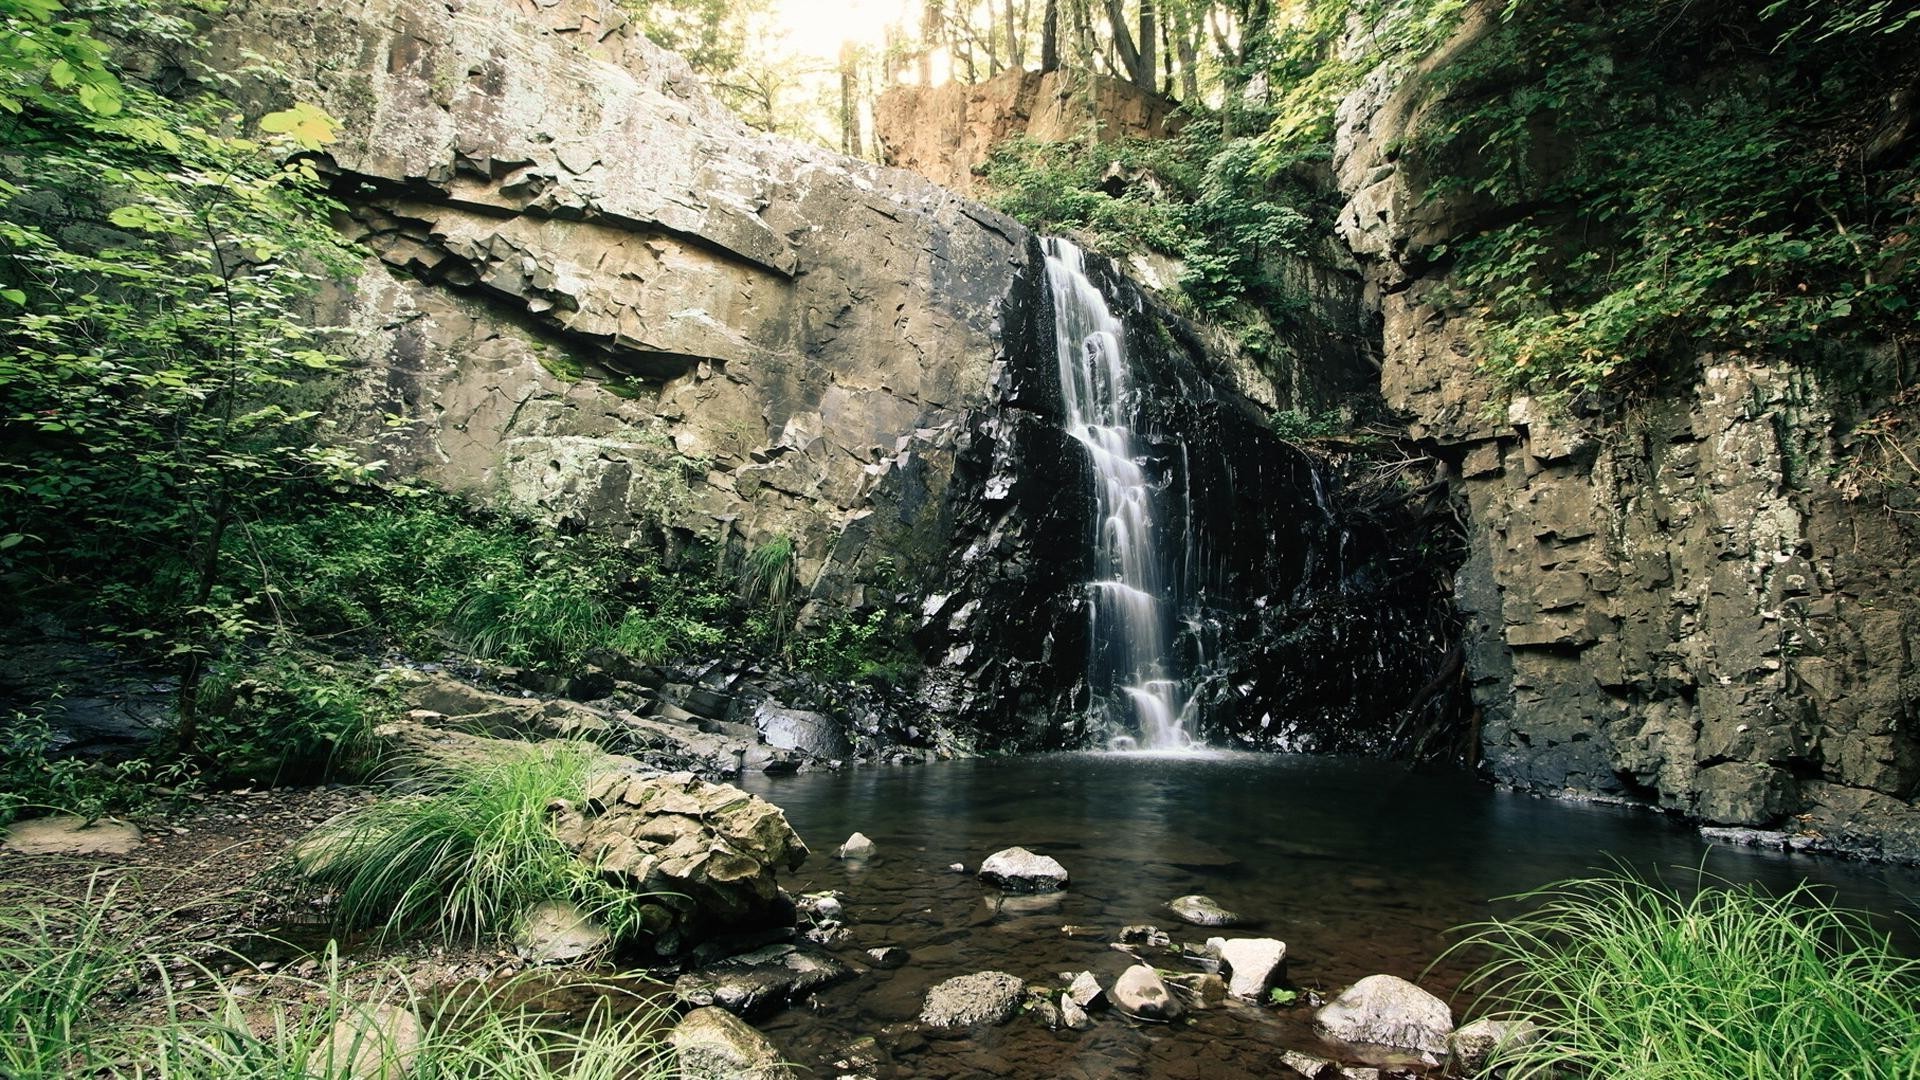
column 1360, row 866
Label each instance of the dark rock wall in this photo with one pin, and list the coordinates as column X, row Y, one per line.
column 1309, row 624
column 1678, row 600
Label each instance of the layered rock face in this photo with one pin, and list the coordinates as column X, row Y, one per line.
column 1673, row 602
column 595, row 289
column 597, row 297
column 945, row 132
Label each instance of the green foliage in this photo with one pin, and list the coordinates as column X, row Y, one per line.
column 61, row 962
column 468, row 855
column 153, row 365
column 36, row 779
column 874, row 648
column 72, row 969
column 1295, row 425
column 767, row 581
column 426, row 573
column 1280, row 998
column 1651, row 220
column 285, row 717
column 1635, row 981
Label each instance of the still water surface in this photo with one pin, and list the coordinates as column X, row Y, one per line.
column 1359, row 866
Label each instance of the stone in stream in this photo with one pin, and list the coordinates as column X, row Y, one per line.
column 823, row 906
column 714, row 1044
column 558, row 933
column 1019, row 870
column 858, row 846
column 1073, row 1014
column 1084, row 989
column 1473, row 1045
column 1252, row 964
column 1203, row 911
column 1386, row 1010
column 1144, row 934
column 1200, row 989
column 1139, row 993
column 377, row 1042
column 1313, row 1068
column 988, row 997
column 889, row 956
column 760, row 981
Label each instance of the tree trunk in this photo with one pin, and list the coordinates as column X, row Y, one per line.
column 194, row 666
column 1186, row 40
column 1123, row 44
column 849, row 101
column 1050, row 37
column 1146, row 75
column 1016, row 56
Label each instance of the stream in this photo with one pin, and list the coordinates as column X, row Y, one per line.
column 1360, row 866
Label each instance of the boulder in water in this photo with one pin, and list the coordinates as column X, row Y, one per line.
column 1140, row 994
column 1472, row 1046
column 1203, row 911
column 714, row 1044
column 760, row 981
column 858, row 846
column 988, row 997
column 1251, row 964
column 1019, row 870
column 1386, row 1010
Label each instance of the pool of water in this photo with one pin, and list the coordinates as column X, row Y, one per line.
column 1359, row 866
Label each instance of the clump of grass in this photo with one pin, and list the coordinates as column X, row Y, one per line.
column 478, row 1031
column 1633, row 980
column 91, row 986
column 60, row 962
column 468, row 854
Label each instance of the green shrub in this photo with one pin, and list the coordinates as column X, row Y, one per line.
column 428, row 572
column 466, row 856
column 874, row 648
column 1636, row 981
column 285, row 717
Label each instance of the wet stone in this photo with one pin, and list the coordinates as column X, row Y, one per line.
column 761, row 981
column 1018, row 870
column 1204, row 911
column 988, row 997
column 1140, row 994
column 1386, row 1010
column 713, row 1044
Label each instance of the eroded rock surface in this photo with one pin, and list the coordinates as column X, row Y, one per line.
column 707, row 853
column 1688, row 599
column 1386, row 1010
column 988, row 997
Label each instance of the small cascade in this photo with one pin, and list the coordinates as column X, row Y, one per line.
column 1131, row 670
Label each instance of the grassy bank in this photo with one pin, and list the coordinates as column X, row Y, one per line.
column 84, row 990
column 1638, row 981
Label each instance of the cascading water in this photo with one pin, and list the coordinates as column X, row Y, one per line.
column 1130, row 669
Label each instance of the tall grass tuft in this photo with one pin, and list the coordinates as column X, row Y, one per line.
column 61, row 960
column 466, row 856
column 767, row 577
column 477, row 1031
column 1633, row 980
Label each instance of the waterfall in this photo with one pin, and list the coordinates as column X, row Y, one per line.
column 1131, row 673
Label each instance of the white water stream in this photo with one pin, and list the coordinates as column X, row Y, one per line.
column 1129, row 663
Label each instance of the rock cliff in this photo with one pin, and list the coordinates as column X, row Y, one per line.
column 593, row 285
column 1676, row 599
column 597, row 297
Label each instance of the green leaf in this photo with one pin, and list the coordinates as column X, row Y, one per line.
column 16, row 296
column 139, row 218
column 307, row 125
